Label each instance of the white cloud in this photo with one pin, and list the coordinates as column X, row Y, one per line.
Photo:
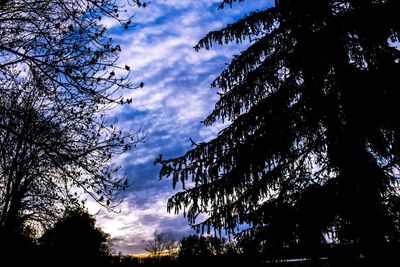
column 137, row 223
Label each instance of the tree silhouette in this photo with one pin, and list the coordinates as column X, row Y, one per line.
column 193, row 246
column 64, row 42
column 314, row 129
column 160, row 245
column 58, row 80
column 75, row 238
column 49, row 156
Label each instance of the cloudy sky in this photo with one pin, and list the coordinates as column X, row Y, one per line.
column 176, row 97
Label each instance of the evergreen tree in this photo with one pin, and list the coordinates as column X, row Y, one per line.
column 312, row 147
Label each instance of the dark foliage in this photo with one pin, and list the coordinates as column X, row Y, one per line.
column 312, row 148
column 200, row 247
column 19, row 248
column 75, row 239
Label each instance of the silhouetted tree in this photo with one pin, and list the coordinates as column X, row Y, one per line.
column 194, row 247
column 160, row 245
column 65, row 43
column 58, row 80
column 75, row 238
column 314, row 128
column 49, row 157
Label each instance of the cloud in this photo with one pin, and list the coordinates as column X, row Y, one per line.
column 139, row 219
column 176, row 97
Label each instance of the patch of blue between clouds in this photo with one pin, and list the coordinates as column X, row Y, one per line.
column 175, row 98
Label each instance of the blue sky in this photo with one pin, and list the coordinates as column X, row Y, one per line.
column 176, row 97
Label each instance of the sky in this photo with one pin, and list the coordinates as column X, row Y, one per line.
column 168, row 109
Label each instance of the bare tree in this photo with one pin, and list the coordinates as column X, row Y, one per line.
column 49, row 155
column 58, row 81
column 161, row 244
column 65, row 43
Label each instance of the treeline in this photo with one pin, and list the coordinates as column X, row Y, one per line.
column 240, row 250
column 75, row 240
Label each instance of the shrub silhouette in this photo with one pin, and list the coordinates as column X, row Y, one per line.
column 75, row 239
